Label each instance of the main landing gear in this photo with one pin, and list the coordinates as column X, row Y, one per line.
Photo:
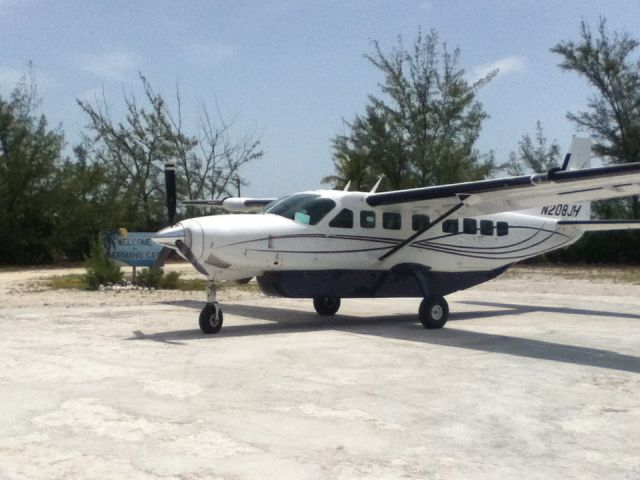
column 433, row 312
column 326, row 306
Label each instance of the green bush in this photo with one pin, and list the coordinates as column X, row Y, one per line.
column 149, row 277
column 100, row 269
column 170, row 281
column 156, row 278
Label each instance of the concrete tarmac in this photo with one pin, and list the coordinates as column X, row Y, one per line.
column 532, row 378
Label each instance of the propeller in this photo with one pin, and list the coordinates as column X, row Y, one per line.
column 170, row 187
column 178, row 237
column 186, row 251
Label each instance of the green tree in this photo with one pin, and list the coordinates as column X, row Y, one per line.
column 52, row 205
column 29, row 153
column 422, row 130
column 612, row 116
column 80, row 204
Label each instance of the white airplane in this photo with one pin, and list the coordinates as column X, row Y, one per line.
column 422, row 242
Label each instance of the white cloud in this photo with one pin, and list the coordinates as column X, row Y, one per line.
column 111, row 65
column 505, row 66
column 208, row 54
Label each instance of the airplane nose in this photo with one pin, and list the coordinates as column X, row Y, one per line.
column 167, row 237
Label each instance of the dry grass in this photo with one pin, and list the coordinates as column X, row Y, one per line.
column 615, row 274
column 77, row 281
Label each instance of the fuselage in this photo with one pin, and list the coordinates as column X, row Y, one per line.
column 332, row 230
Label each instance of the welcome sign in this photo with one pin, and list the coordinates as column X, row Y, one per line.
column 134, row 249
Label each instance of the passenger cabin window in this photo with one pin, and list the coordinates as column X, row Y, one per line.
column 502, row 229
column 344, row 219
column 450, row 226
column 470, row 226
column 305, row 208
column 367, row 219
column 486, row 227
column 419, row 222
column 391, row 221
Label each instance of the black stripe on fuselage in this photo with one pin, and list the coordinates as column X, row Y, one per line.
column 427, row 244
column 496, row 255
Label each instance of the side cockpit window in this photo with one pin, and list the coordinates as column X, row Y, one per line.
column 367, row 219
column 305, row 208
column 344, row 219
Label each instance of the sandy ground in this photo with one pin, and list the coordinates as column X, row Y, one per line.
column 536, row 375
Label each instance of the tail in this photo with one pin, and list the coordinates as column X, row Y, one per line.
column 578, row 158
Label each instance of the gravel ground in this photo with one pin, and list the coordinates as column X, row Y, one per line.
column 537, row 375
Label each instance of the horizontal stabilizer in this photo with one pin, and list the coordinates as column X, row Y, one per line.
column 232, row 204
column 603, row 225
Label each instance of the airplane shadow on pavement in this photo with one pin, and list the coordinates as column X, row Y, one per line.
column 406, row 327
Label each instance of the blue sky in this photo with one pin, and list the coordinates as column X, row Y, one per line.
column 292, row 70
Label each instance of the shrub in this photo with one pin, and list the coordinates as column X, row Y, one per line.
column 170, row 281
column 149, row 277
column 156, row 278
column 100, row 269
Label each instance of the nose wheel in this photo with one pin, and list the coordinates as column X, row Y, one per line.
column 211, row 318
column 434, row 312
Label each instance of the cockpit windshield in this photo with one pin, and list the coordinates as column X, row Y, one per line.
column 305, row 208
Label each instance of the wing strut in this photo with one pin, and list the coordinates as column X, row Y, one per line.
column 415, row 235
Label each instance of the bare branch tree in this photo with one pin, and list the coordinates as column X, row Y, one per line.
column 137, row 148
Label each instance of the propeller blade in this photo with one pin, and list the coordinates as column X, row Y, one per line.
column 170, row 186
column 162, row 257
column 188, row 254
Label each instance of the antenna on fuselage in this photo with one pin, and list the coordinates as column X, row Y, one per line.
column 375, row 187
column 346, row 187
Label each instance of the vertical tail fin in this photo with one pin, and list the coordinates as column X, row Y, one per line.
column 578, row 158
column 579, row 155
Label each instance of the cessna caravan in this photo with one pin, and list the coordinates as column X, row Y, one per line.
column 428, row 242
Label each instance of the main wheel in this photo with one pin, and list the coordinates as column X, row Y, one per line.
column 326, row 305
column 211, row 318
column 434, row 312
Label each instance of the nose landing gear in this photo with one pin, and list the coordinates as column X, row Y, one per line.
column 211, row 317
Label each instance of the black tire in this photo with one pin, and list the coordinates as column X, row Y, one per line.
column 326, row 305
column 211, row 318
column 434, row 312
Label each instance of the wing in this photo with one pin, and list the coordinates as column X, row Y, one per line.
column 232, row 204
column 519, row 193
